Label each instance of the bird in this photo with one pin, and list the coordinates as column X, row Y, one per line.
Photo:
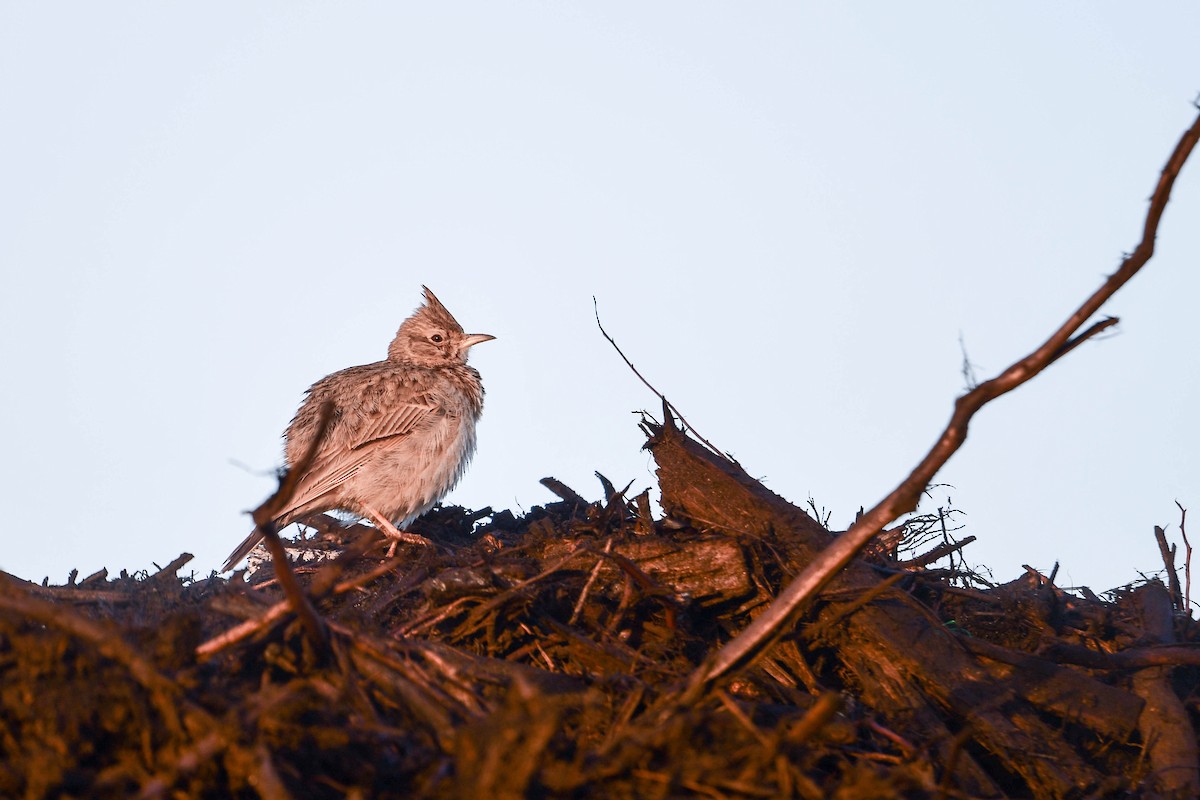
column 399, row 435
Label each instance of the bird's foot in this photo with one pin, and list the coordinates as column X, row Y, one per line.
column 395, row 534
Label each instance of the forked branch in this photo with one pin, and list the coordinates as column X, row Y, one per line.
column 781, row 615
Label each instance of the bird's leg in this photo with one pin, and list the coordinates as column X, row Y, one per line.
column 384, row 525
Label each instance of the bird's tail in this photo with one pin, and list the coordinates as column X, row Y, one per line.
column 242, row 549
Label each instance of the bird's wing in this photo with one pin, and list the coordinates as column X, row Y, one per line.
column 367, row 412
column 395, row 420
column 242, row 550
column 357, row 429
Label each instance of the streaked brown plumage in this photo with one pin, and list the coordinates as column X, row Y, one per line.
column 402, row 431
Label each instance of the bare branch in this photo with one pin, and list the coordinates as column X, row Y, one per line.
column 1187, row 558
column 666, row 403
column 264, row 520
column 1168, row 557
column 781, row 614
column 1092, row 330
column 937, row 553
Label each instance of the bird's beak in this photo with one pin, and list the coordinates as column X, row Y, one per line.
column 476, row 338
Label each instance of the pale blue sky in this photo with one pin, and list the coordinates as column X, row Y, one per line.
column 787, row 212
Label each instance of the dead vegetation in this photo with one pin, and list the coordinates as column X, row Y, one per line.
column 551, row 655
column 731, row 647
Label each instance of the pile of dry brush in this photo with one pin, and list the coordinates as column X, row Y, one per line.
column 733, row 647
column 556, row 654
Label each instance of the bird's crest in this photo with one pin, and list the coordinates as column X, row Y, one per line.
column 436, row 312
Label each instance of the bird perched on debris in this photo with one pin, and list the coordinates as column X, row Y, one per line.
column 400, row 434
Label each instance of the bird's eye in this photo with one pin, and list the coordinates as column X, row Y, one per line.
column 436, row 338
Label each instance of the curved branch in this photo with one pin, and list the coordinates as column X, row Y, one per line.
column 782, row 613
column 264, row 521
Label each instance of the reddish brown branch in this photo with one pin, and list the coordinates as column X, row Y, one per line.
column 781, row 615
column 264, row 519
column 937, row 553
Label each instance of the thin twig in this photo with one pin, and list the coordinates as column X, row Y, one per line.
column 434, row 617
column 650, row 386
column 743, row 719
column 1187, row 559
column 781, row 614
column 968, row 369
column 275, row 612
column 814, row 632
column 1075, row 341
column 817, row 716
column 588, row 585
column 937, row 553
column 243, row 630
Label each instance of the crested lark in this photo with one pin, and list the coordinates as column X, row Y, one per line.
column 401, row 433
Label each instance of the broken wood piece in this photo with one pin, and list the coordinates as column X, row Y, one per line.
column 1068, row 694
column 708, row 570
column 1167, row 732
column 897, row 656
column 564, row 492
